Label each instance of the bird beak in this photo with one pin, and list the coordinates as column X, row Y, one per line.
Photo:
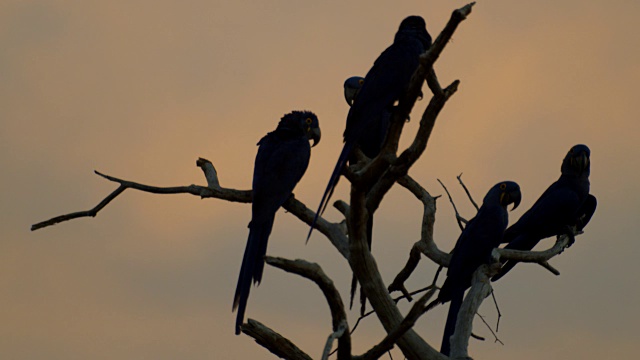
column 315, row 135
column 350, row 95
column 580, row 162
column 513, row 197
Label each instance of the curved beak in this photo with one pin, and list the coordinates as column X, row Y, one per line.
column 315, row 135
column 512, row 197
column 582, row 161
column 350, row 94
column 516, row 196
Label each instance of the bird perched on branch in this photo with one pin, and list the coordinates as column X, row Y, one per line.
column 566, row 203
column 282, row 159
column 352, row 88
column 474, row 246
column 383, row 85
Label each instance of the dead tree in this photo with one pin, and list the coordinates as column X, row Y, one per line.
column 377, row 176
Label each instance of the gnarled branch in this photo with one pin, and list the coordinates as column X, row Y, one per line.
column 540, row 257
column 314, row 273
column 480, row 289
column 272, row 341
column 331, row 230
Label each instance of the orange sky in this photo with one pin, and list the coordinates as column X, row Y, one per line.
column 141, row 89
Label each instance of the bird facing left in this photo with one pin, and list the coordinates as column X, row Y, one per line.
column 282, row 159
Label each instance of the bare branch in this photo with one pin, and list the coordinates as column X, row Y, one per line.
column 366, row 270
column 403, row 275
column 332, row 231
column 426, row 244
column 272, row 341
column 488, row 327
column 400, row 166
column 407, row 323
column 314, row 273
column 459, row 177
column 342, row 328
column 540, row 257
column 396, row 300
column 343, row 207
column 92, row 213
column 459, row 218
column 211, row 175
column 495, row 302
column 480, row 289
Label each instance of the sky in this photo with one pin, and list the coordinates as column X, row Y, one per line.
column 141, row 89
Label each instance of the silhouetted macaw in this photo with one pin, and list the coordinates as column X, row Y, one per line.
column 352, row 88
column 481, row 235
column 283, row 157
column 383, row 85
column 564, row 204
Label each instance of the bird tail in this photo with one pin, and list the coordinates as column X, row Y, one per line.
column 333, row 182
column 252, row 267
column 354, row 281
column 450, row 326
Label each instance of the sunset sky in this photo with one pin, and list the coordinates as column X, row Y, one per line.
column 141, row 89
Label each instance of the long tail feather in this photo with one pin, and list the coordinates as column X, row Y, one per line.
column 450, row 326
column 333, row 182
column 354, row 281
column 252, row 268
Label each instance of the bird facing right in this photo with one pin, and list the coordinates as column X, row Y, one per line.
column 566, row 203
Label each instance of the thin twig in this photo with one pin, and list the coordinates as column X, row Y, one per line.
column 495, row 302
column 92, row 213
column 396, row 300
column 489, row 327
column 459, row 177
column 459, row 218
column 407, row 323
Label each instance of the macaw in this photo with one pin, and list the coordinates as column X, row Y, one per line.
column 482, row 234
column 282, row 159
column 564, row 204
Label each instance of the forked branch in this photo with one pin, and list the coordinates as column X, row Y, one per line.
column 332, row 231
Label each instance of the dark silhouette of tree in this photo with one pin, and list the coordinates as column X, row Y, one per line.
column 370, row 179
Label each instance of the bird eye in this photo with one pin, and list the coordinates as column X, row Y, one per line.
column 309, row 121
column 361, row 81
column 503, row 186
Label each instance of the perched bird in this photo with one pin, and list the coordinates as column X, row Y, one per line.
column 481, row 235
column 351, row 90
column 283, row 157
column 383, row 85
column 564, row 204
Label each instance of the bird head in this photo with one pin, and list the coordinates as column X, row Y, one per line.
column 414, row 26
column 577, row 161
column 352, row 87
column 505, row 193
column 306, row 121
